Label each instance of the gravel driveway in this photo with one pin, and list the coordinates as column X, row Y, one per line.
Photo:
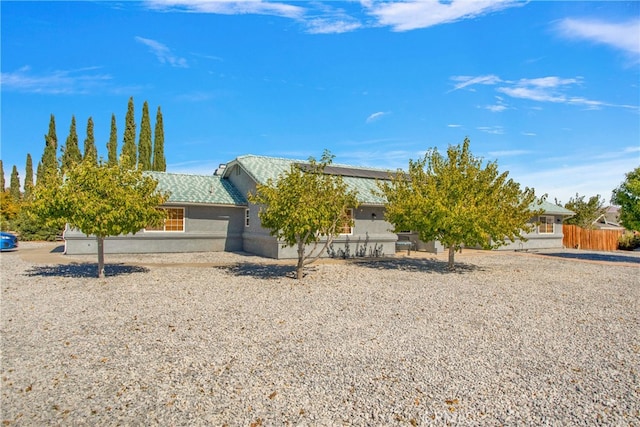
column 228, row 339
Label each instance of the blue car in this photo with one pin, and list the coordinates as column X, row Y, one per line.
column 9, row 241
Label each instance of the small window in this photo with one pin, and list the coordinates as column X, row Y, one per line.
column 545, row 225
column 246, row 217
column 174, row 221
column 348, row 229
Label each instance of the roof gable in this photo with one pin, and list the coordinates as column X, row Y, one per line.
column 198, row 189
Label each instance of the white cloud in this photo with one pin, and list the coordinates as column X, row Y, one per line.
column 376, row 116
column 414, row 14
column 624, row 36
column 496, row 108
column 591, row 177
column 542, row 89
column 465, row 81
column 529, row 134
column 80, row 81
column 493, row 130
column 454, row 126
column 329, row 26
column 229, row 7
column 163, row 53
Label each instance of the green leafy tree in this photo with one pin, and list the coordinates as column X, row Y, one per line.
column 144, row 143
column 71, row 152
column 103, row 201
column 28, row 178
column 112, row 145
column 586, row 212
column 304, row 206
column 457, row 201
column 14, row 185
column 90, row 150
column 9, row 209
column 627, row 196
column 129, row 155
column 159, row 161
column 48, row 172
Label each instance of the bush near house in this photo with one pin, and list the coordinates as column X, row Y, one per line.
column 629, row 241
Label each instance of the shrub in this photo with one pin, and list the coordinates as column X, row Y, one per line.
column 629, row 241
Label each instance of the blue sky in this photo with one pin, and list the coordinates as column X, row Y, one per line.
column 548, row 89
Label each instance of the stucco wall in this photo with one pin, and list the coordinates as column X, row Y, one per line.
column 537, row 240
column 369, row 233
column 207, row 228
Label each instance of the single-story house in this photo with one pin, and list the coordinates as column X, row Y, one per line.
column 211, row 213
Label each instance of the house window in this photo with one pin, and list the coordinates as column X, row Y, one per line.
column 174, row 220
column 545, row 225
column 246, row 217
column 348, row 229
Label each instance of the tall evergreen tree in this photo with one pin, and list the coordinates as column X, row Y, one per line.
column 1, row 177
column 144, row 144
column 28, row 177
column 14, row 186
column 71, row 152
column 49, row 163
column 90, row 151
column 159, row 162
column 112, row 145
column 129, row 155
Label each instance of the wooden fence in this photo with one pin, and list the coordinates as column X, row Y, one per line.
column 580, row 238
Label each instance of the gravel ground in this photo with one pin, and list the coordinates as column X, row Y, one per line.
column 227, row 339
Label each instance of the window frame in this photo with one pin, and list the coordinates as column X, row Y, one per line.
column 182, row 216
column 247, row 217
column 549, row 220
column 350, row 213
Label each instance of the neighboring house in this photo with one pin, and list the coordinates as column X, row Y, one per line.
column 609, row 220
column 211, row 213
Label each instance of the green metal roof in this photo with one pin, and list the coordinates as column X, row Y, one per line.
column 262, row 168
column 198, row 189
column 551, row 209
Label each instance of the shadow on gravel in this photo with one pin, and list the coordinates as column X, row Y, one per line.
column 58, row 250
column 260, row 271
column 85, row 269
column 418, row 265
column 590, row 256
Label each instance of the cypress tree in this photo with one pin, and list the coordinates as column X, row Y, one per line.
column 28, row 177
column 71, row 152
column 2, row 184
column 90, row 151
column 49, row 163
column 14, row 186
column 159, row 162
column 129, row 156
column 144, row 144
column 112, row 145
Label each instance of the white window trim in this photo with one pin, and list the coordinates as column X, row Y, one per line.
column 551, row 219
column 164, row 225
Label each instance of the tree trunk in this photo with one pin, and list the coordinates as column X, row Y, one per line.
column 300, row 265
column 452, row 252
column 100, row 257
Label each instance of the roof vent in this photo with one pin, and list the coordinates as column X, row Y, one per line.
column 220, row 169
